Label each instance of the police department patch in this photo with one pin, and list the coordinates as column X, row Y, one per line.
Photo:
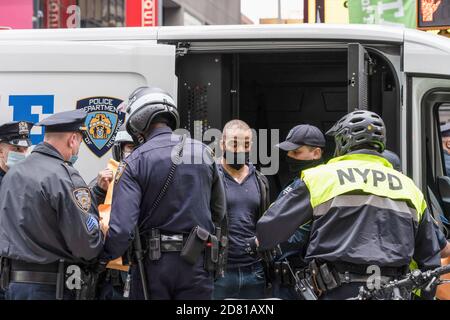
column 102, row 122
column 82, row 198
column 120, row 171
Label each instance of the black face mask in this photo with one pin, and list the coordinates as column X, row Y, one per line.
column 297, row 166
column 236, row 160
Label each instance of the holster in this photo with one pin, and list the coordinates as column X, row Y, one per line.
column 286, row 277
column 324, row 278
column 223, row 250
column 5, row 271
column 89, row 281
column 211, row 254
column 60, row 280
column 154, row 245
column 195, row 244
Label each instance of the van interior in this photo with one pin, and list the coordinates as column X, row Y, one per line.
column 279, row 90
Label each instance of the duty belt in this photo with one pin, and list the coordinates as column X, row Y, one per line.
column 348, row 277
column 343, row 267
column 25, row 272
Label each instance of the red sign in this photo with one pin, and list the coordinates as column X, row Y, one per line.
column 141, row 13
column 55, row 13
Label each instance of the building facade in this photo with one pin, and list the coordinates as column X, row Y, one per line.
column 25, row 14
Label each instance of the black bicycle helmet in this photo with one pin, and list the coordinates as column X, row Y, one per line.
column 359, row 128
column 144, row 105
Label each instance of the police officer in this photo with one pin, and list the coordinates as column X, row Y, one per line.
column 122, row 148
column 14, row 143
column 364, row 213
column 247, row 194
column 304, row 145
column 47, row 217
column 174, row 203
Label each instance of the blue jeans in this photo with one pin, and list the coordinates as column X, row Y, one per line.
column 32, row 291
column 241, row 283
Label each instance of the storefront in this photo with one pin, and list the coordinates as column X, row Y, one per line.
column 98, row 13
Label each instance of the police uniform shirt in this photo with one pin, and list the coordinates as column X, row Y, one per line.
column 295, row 247
column 194, row 198
column 47, row 212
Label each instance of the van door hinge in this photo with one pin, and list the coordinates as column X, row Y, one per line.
column 182, row 48
column 401, row 96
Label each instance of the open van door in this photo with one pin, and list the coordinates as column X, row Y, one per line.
column 427, row 120
column 358, row 63
column 39, row 78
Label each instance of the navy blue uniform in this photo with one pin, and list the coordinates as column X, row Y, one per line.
column 46, row 214
column 44, row 195
column 194, row 198
column 294, row 249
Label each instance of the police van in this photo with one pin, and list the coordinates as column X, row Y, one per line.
column 271, row 76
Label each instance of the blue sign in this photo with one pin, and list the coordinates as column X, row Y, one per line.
column 102, row 122
column 22, row 110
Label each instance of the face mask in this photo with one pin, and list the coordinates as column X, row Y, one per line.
column 126, row 154
column 73, row 159
column 297, row 166
column 14, row 158
column 236, row 160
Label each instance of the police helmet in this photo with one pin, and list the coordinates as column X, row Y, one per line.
column 359, row 128
column 122, row 137
column 144, row 105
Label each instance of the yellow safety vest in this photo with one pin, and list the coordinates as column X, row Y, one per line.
column 370, row 174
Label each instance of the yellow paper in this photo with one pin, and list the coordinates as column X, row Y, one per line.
column 105, row 213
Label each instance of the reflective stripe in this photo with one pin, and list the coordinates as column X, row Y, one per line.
column 397, row 206
column 364, row 173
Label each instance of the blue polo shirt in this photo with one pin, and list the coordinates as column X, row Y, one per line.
column 243, row 201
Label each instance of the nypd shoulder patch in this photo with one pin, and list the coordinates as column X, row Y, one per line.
column 120, row 171
column 82, row 198
column 91, row 223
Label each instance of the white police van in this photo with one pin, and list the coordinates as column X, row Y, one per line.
column 272, row 76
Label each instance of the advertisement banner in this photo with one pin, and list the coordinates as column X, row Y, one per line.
column 388, row 12
column 57, row 13
column 142, row 13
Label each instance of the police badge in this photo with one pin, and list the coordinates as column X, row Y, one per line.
column 82, row 198
column 102, row 122
column 119, row 172
column 23, row 128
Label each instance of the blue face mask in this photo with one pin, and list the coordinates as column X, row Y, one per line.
column 73, row 159
column 14, row 158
